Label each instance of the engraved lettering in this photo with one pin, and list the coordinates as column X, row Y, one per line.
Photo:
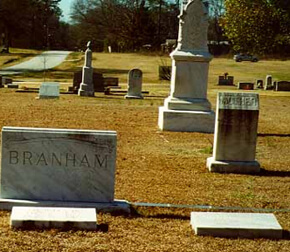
column 27, row 155
column 13, row 157
column 55, row 159
column 41, row 159
column 84, row 161
column 101, row 163
column 70, row 159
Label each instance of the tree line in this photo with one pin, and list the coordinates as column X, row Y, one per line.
column 252, row 26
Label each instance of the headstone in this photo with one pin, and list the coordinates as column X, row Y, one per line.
column 98, row 82
column 6, row 80
column 134, row 84
column 12, row 85
column 282, row 86
column 53, row 217
column 226, row 80
column 187, row 108
column 87, row 85
column 259, row 84
column 111, row 81
column 244, row 225
column 49, row 90
column 246, row 85
column 235, row 134
column 1, row 84
column 61, row 165
column 268, row 82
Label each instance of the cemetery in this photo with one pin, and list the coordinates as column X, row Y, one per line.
column 187, row 165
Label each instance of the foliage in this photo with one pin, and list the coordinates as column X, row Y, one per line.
column 256, row 26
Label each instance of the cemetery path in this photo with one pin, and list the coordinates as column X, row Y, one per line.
column 46, row 60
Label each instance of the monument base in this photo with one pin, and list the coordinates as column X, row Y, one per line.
column 186, row 120
column 115, row 206
column 133, row 97
column 232, row 166
column 86, row 93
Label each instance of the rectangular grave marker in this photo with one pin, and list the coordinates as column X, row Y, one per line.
column 51, row 217
column 49, row 90
column 235, row 133
column 246, row 225
column 58, row 164
column 246, row 85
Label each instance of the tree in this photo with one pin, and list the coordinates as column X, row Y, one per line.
column 255, row 26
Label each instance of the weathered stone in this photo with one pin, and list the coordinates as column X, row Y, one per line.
column 58, row 164
column 235, row 133
column 134, row 84
column 245, row 225
column 51, row 217
column 49, row 90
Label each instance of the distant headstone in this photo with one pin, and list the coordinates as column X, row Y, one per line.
column 98, row 82
column 134, row 84
column 6, row 80
column 12, row 85
column 53, row 217
column 60, row 165
column 282, row 86
column 49, row 90
column 259, row 84
column 246, row 85
column 226, row 80
column 187, row 107
column 244, row 225
column 87, row 85
column 235, row 134
column 268, row 82
column 1, row 85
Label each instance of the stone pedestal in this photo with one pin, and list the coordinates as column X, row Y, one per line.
column 235, row 134
column 187, row 107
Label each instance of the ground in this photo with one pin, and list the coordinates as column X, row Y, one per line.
column 161, row 167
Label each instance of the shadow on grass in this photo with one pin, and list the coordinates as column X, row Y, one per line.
column 266, row 173
column 273, row 135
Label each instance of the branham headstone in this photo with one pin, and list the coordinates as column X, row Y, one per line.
column 58, row 165
column 134, row 84
column 51, row 217
column 187, row 108
column 235, row 134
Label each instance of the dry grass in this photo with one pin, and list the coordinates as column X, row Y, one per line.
column 159, row 167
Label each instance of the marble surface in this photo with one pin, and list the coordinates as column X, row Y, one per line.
column 58, row 164
column 236, row 127
column 49, row 217
column 186, row 121
column 49, row 90
column 246, row 225
column 134, row 84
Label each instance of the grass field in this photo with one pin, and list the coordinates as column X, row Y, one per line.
column 160, row 167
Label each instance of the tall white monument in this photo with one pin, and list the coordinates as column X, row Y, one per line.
column 87, row 85
column 187, row 108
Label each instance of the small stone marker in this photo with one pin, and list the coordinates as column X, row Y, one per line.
column 134, row 84
column 51, row 217
column 246, row 85
column 235, row 134
column 259, row 84
column 61, row 165
column 49, row 90
column 226, row 80
column 282, row 86
column 268, row 82
column 12, row 85
column 245, row 225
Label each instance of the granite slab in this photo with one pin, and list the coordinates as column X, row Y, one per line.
column 49, row 90
column 50, row 217
column 245, row 225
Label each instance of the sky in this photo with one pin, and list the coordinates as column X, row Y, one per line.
column 65, row 7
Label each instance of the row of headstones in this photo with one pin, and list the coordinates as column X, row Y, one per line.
column 8, row 82
column 45, row 157
column 269, row 84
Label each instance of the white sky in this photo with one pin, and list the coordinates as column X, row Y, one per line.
column 65, row 7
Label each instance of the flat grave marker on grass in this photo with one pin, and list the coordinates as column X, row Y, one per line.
column 282, row 86
column 245, row 225
column 51, row 217
column 246, row 85
column 60, row 165
column 235, row 134
column 49, row 90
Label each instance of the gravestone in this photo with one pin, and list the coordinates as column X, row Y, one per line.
column 52, row 217
column 244, row 225
column 49, row 90
column 226, row 80
column 58, row 164
column 268, row 82
column 12, row 85
column 6, row 80
column 134, row 84
column 187, row 107
column 246, row 85
column 1, row 85
column 87, row 85
column 98, row 81
column 235, row 134
column 282, row 86
column 259, row 84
